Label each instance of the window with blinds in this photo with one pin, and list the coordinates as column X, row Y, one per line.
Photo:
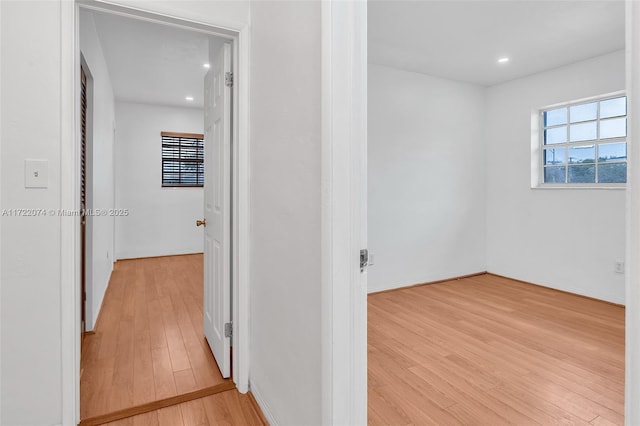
column 182, row 159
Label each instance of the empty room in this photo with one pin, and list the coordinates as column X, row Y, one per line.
column 496, row 178
column 433, row 212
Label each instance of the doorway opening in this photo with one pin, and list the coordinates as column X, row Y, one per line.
column 482, row 219
column 221, row 136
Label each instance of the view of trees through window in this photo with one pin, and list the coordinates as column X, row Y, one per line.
column 585, row 142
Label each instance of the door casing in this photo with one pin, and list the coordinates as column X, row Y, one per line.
column 70, row 174
column 344, row 212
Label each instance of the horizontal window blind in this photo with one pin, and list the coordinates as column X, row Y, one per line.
column 182, row 159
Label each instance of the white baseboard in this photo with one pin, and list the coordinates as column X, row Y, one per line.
column 257, row 394
column 384, row 288
column 96, row 312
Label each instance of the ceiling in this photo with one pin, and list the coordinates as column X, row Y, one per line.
column 152, row 63
column 455, row 39
column 462, row 40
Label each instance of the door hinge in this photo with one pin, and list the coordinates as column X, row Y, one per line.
column 364, row 259
column 228, row 329
column 228, row 79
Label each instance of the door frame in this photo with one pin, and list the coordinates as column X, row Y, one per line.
column 238, row 34
column 344, row 212
column 632, row 269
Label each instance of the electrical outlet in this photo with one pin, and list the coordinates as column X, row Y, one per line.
column 619, row 267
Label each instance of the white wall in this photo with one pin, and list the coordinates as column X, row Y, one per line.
column 221, row 13
column 161, row 221
column 30, row 127
column 562, row 238
column 100, row 179
column 30, row 282
column 285, row 211
column 285, row 238
column 426, row 178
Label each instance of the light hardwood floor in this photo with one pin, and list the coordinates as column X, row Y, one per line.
column 488, row 350
column 149, row 343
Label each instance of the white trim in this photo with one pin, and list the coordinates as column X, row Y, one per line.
column 70, row 298
column 344, row 144
column 69, row 246
column 264, row 407
column 94, row 320
column 632, row 294
column 0, row 225
column 241, row 207
column 621, row 186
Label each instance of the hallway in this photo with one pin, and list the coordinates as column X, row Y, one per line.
column 148, row 343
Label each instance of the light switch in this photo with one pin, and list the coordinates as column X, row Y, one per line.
column 36, row 173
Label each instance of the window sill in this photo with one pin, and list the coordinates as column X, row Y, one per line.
column 585, row 186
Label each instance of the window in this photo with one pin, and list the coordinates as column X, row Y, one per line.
column 182, row 159
column 585, row 143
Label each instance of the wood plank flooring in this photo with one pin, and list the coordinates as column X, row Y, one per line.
column 487, row 350
column 148, row 343
column 226, row 408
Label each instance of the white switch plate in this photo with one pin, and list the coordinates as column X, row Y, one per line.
column 36, row 173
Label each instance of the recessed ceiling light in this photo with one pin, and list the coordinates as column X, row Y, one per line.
column 503, row 60
column 189, row 98
column 206, row 65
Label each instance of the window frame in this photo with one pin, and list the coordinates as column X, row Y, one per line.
column 180, row 135
column 540, row 143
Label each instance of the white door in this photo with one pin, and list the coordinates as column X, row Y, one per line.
column 217, row 210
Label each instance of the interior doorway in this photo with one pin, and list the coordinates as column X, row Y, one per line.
column 226, row 42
